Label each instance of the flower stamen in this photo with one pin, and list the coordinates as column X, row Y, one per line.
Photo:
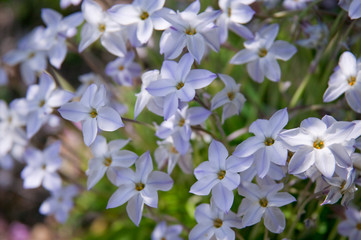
column 108, row 161
column 139, row 186
column 318, row 144
column 179, row 85
column 191, row 31
column 144, row 15
column 93, row 113
column 221, row 174
column 351, row 80
column 217, row 223
column 262, row 52
column 269, row 141
column 263, row 202
column 231, row 95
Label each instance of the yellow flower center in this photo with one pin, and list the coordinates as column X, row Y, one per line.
column 101, row 27
column 191, row 31
column 358, row 226
column 144, row 15
column 173, row 150
column 351, row 80
column 121, row 68
column 93, row 113
column 221, row 174
column 217, row 223
column 263, row 202
column 269, row 141
column 42, row 103
column 262, row 52
column 229, row 12
column 139, row 186
column 108, row 161
column 231, row 95
column 31, row 55
column 181, row 122
column 179, row 85
column 318, row 144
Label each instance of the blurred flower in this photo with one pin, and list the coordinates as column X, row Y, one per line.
column 59, row 203
column 139, row 188
column 188, row 28
column 58, row 30
column 67, row 3
column 41, row 168
column 295, row 4
column 352, row 6
column 87, row 80
column 179, row 82
column 123, row 69
column 93, row 112
column 230, row 98
column 106, row 157
column 262, row 53
column 265, row 146
column 41, row 100
column 212, row 221
column 3, row 77
column 317, row 36
column 219, row 175
column 164, row 232
column 351, row 227
column 31, row 55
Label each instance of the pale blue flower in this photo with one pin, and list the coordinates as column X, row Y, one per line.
column 179, row 126
column 164, row 232
column 59, row 203
column 230, row 98
column 106, row 157
column 350, row 227
column 179, row 82
column 263, row 200
column 262, row 52
column 214, row 222
column 139, row 187
column 219, row 175
column 93, row 112
column 188, row 28
column 41, row 168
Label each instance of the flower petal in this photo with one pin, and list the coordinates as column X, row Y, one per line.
column 109, row 119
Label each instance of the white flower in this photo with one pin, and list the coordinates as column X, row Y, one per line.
column 320, row 143
column 265, row 146
column 100, row 25
column 93, row 112
column 106, row 157
column 262, row 52
column 346, row 79
column 263, row 201
column 230, row 98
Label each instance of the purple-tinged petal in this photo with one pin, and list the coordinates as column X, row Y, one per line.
column 160, row 181
column 94, row 175
column 236, row 164
column 123, row 158
column 59, row 97
column 52, row 181
column 278, row 121
column 325, row 161
column 241, row 13
column 34, row 122
column 121, row 195
column 144, row 166
column 280, row 199
column 302, row 160
column 114, row 43
column 250, row 190
column 170, row 105
column 342, row 158
column 348, row 64
column 89, row 34
column 205, row 169
column 354, row 10
column 90, row 130
column 196, row 46
column 201, row 231
column 172, row 43
column 121, row 176
column 203, row 214
column 162, row 87
column 223, row 197
column 248, row 147
column 282, row 50
column 274, row 220
column 353, row 98
column 99, row 147
column 262, row 162
column 135, row 209
column 255, row 70
column 144, row 30
column 109, row 119
column 183, row 67
column 204, row 186
column 244, row 56
column 211, row 38
column 74, row 111
column 125, row 14
column 231, row 180
column 271, row 68
column 253, row 214
column 217, row 154
column 57, row 54
column 197, row 115
column 200, row 78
